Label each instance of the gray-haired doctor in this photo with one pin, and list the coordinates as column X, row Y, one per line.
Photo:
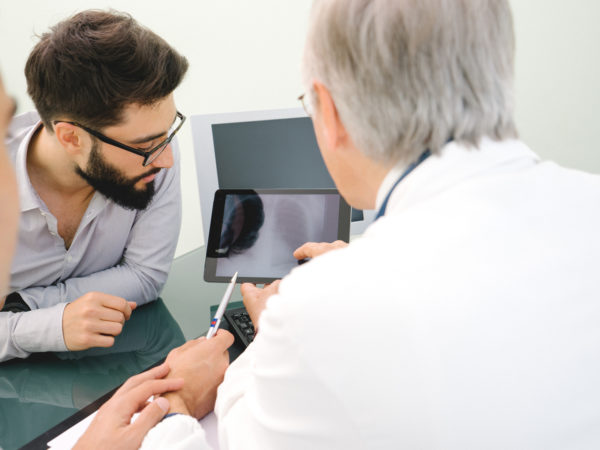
column 467, row 314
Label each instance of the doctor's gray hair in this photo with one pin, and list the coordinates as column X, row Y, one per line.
column 408, row 75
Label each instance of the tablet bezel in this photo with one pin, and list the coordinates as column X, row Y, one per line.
column 216, row 221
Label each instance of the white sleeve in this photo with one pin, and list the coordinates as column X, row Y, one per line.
column 178, row 432
column 272, row 396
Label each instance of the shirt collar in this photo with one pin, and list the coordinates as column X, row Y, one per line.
column 455, row 163
column 28, row 198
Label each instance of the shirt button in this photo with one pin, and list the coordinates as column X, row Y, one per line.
column 53, row 233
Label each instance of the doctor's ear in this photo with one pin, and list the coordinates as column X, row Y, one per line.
column 334, row 130
column 70, row 137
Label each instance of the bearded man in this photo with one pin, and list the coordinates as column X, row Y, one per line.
column 98, row 183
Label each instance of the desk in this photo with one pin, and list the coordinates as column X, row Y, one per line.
column 48, row 392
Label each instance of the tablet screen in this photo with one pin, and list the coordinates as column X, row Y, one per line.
column 255, row 232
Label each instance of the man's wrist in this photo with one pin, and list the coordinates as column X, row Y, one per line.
column 176, row 404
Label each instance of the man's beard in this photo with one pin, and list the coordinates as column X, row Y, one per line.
column 110, row 182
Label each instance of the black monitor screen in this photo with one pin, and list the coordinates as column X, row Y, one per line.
column 246, row 154
column 245, row 150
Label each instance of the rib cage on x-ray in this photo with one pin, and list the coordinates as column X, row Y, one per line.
column 298, row 221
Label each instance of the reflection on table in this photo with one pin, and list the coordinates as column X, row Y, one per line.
column 41, row 391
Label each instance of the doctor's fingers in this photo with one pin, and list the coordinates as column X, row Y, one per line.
column 305, row 250
column 219, row 342
column 223, row 339
column 251, row 292
column 270, row 289
column 149, row 416
column 133, row 400
column 155, row 373
column 314, row 249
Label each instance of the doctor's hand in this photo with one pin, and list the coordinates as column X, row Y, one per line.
column 201, row 363
column 94, row 319
column 112, row 427
column 314, row 249
column 255, row 299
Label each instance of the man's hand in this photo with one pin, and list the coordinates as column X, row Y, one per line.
column 314, row 249
column 255, row 299
column 201, row 363
column 94, row 319
column 112, row 427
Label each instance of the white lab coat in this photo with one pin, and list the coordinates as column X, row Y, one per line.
column 468, row 317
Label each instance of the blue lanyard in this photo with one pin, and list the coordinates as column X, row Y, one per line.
column 410, row 168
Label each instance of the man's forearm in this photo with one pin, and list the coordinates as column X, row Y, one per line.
column 33, row 331
column 130, row 283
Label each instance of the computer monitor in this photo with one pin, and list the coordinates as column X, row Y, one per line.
column 273, row 149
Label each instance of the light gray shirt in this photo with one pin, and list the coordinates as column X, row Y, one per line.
column 115, row 250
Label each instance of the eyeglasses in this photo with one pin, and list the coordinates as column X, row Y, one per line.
column 305, row 104
column 149, row 155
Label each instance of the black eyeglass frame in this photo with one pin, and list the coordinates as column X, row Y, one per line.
column 147, row 154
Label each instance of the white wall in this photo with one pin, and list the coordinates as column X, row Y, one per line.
column 245, row 55
column 558, row 79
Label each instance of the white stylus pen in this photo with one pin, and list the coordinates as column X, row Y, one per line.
column 214, row 324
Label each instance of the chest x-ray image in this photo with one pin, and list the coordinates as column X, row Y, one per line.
column 259, row 231
column 243, row 218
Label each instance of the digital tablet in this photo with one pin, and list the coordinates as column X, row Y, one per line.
column 255, row 232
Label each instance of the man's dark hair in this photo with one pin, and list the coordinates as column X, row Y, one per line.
column 89, row 67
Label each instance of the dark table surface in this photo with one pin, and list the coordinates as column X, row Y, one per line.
column 45, row 394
